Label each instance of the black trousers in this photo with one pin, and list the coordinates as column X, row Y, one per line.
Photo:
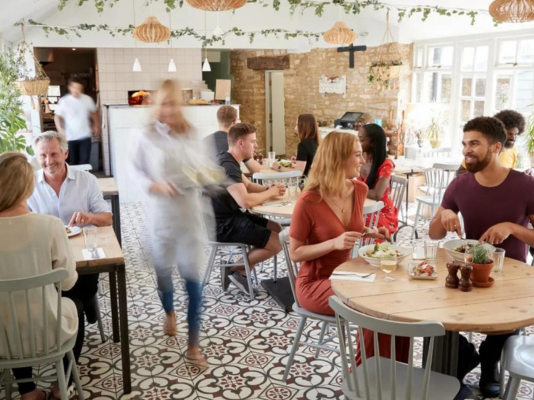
column 79, row 151
column 24, row 373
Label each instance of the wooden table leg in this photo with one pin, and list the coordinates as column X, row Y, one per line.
column 116, row 208
column 445, row 356
column 114, row 306
column 125, row 341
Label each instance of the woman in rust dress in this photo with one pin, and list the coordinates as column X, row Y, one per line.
column 327, row 222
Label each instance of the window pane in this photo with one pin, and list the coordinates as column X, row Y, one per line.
column 466, row 111
column 524, row 91
column 446, row 88
column 418, row 86
column 467, row 84
column 467, row 58
column 479, row 109
column 480, row 87
column 526, row 52
column 481, row 59
column 419, row 57
column 440, row 56
column 502, row 92
column 507, row 51
column 446, row 56
column 430, row 92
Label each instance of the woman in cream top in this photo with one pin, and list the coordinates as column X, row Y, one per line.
column 30, row 245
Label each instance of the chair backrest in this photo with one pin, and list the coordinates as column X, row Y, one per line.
column 20, row 289
column 441, row 152
column 292, row 268
column 290, row 178
column 346, row 316
column 371, row 216
column 397, row 190
column 438, row 178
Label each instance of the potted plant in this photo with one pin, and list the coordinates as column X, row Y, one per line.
column 482, row 263
column 11, row 113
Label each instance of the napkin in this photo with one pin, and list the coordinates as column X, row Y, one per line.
column 87, row 254
column 347, row 276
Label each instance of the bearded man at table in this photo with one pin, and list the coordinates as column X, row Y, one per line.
column 71, row 195
column 497, row 204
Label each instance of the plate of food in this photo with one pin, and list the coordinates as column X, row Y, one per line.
column 374, row 252
column 73, row 230
column 422, row 270
column 457, row 247
column 285, row 163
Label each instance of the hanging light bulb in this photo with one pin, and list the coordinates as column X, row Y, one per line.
column 172, row 66
column 206, row 66
column 137, row 66
column 218, row 31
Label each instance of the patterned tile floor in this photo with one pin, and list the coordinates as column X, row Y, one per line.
column 245, row 342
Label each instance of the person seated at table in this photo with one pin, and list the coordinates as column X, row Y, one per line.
column 514, row 124
column 235, row 226
column 327, row 221
column 496, row 203
column 30, row 245
column 376, row 174
column 309, row 137
column 71, row 195
column 218, row 141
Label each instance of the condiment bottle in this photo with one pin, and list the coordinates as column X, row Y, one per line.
column 452, row 280
column 465, row 282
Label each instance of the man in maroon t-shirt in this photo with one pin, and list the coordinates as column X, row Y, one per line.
column 496, row 203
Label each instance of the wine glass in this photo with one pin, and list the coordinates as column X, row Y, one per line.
column 388, row 264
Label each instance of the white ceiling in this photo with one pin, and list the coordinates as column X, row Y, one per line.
column 250, row 17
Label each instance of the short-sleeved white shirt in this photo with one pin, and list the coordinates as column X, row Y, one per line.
column 76, row 114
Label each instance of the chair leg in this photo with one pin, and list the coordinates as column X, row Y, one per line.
column 247, row 271
column 295, row 346
column 417, row 216
column 501, row 376
column 62, row 382
column 470, row 337
column 321, row 337
column 7, row 386
column 255, row 276
column 76, row 376
column 96, row 306
column 211, row 262
column 512, row 388
column 275, row 267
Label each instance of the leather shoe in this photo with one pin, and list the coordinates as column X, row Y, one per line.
column 489, row 384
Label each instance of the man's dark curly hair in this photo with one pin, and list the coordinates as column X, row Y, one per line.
column 491, row 128
column 511, row 119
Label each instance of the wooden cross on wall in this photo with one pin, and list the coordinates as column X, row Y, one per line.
column 351, row 49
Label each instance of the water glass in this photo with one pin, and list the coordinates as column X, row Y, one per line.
column 272, row 158
column 498, row 260
column 90, row 236
column 418, row 249
column 388, row 264
column 293, row 192
column 431, row 251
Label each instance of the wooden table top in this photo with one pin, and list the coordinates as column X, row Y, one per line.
column 108, row 186
column 107, row 240
column 286, row 210
column 507, row 305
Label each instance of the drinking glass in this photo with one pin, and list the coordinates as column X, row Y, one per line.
column 431, row 251
column 418, row 249
column 272, row 158
column 293, row 192
column 90, row 236
column 388, row 264
column 498, row 260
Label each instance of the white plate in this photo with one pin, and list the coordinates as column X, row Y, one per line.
column 375, row 262
column 74, row 230
column 452, row 244
column 411, row 267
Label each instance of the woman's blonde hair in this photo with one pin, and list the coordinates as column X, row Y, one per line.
column 17, row 180
column 327, row 176
column 170, row 91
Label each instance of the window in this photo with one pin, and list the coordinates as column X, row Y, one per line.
column 516, row 52
column 439, row 57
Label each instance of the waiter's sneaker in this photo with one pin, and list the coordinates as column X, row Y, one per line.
column 240, row 282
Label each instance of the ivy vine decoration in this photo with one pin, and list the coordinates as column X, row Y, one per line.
column 206, row 41
column 381, row 73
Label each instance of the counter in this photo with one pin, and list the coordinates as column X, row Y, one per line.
column 123, row 119
column 326, row 130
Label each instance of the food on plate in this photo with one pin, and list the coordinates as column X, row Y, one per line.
column 67, row 229
column 199, row 102
column 464, row 247
column 423, row 269
column 382, row 251
column 285, row 164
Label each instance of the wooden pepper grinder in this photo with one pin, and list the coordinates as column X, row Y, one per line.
column 465, row 282
column 452, row 280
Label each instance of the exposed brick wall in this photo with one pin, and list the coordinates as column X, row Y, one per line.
column 301, row 89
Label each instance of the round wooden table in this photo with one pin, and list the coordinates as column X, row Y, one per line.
column 282, row 208
column 507, row 305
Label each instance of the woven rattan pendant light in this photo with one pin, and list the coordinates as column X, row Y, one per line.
column 151, row 31
column 512, row 10
column 340, row 34
column 217, row 5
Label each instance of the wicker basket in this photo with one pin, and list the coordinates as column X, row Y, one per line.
column 217, row 5
column 34, row 87
column 512, row 10
column 151, row 31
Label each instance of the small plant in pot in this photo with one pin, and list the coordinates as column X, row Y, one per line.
column 482, row 263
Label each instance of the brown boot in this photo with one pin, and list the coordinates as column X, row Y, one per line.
column 169, row 327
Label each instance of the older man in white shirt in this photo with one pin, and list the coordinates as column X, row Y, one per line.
column 73, row 196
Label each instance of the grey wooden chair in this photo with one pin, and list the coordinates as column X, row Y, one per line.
column 518, row 359
column 383, row 378
column 14, row 356
column 373, row 213
column 325, row 320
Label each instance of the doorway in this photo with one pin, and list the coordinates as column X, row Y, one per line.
column 275, row 112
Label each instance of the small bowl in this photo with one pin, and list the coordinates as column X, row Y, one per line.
column 375, row 262
column 453, row 244
column 413, row 265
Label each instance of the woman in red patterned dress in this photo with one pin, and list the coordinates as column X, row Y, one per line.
column 376, row 174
